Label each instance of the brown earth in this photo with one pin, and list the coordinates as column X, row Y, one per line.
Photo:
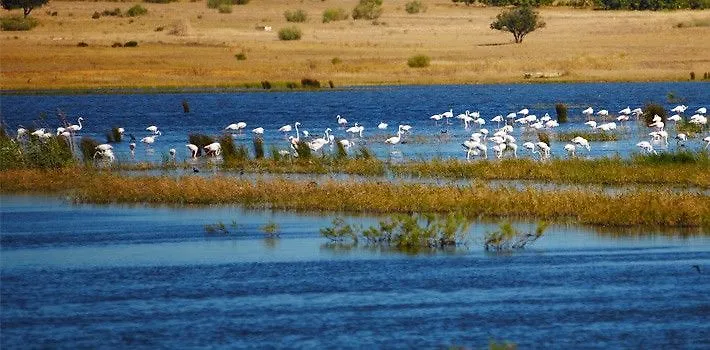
column 576, row 45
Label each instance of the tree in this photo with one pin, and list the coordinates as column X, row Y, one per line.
column 25, row 5
column 368, row 9
column 519, row 21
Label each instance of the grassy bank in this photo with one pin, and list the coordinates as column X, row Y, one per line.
column 652, row 208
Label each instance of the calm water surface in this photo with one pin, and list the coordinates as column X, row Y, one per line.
column 137, row 276
column 211, row 112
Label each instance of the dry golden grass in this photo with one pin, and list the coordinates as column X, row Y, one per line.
column 577, row 45
column 657, row 208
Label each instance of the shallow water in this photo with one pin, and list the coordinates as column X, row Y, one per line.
column 316, row 110
column 138, row 276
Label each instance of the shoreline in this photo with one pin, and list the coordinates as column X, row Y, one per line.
column 198, row 89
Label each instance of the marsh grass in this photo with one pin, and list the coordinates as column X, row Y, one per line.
column 652, row 109
column 691, row 130
column 606, row 171
column 259, row 148
column 508, row 238
column 113, row 136
column 17, row 23
column 270, row 229
column 589, row 135
column 218, row 228
column 656, row 208
column 334, row 14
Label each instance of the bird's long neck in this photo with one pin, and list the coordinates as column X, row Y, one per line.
column 298, row 135
column 79, row 120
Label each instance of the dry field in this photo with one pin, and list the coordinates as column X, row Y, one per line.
column 576, row 45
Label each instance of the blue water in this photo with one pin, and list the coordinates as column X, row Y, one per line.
column 317, row 110
column 89, row 276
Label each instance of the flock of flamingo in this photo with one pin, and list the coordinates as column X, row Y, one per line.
column 501, row 141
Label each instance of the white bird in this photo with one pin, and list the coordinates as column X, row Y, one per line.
column 524, row 111
column 153, row 129
column 346, row 143
column 103, row 147
column 603, row 113
column 214, row 149
column 405, row 127
column 675, row 118
column 395, row 139
column 382, row 126
column 74, row 128
column 592, row 124
column 121, row 130
column 646, row 146
column 286, row 128
column 607, row 126
column 172, row 152
column 530, row 146
column 681, row 138
column 193, row 150
column 258, row 131
column 449, row 114
column 588, row 112
column 544, row 150
column 436, row 117
column 498, row 149
column 551, row 124
column 679, row 109
column 148, row 140
column 497, row 119
column 707, row 139
column 355, row 130
column 625, row 111
column 236, row 126
column 38, row 132
column 658, row 125
column 132, row 147
column 21, row 132
column 571, row 149
column 701, row 110
column 582, row 142
column 474, row 148
column 657, row 118
column 341, row 121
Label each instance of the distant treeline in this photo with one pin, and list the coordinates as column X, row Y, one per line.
column 652, row 5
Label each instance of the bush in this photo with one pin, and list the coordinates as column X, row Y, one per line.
column 652, row 109
column 114, row 136
column 310, row 83
column 87, row 145
column 82, row 44
column 418, row 61
column 160, row 1
column 508, row 238
column 266, row 85
column 334, row 14
column 652, row 5
column 561, row 110
column 368, row 9
column 213, row 4
column 17, row 23
column 240, row 2
column 241, row 56
column 112, row 13
column 336, row 60
column 296, row 16
column 199, row 140
column 136, row 10
column 290, row 33
column 131, row 43
column 116, row 44
column 224, row 8
column 415, row 6
column 96, row 15
column 259, row 148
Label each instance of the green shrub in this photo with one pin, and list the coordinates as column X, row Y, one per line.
column 213, row 4
column 296, row 15
column 652, row 109
column 136, row 10
column 303, row 151
column 334, row 14
column 259, row 148
column 508, row 238
column 160, row 1
column 10, row 152
column 87, row 146
column 112, row 13
column 17, row 23
column 310, row 83
column 241, row 56
column 368, row 9
column 131, row 43
column 199, row 140
column 415, row 6
column 290, row 33
column 561, row 110
column 336, row 60
column 224, row 8
column 418, row 61
column 96, row 15
column 270, row 229
column 240, row 2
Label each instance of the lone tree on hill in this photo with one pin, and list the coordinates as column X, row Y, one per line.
column 25, row 5
column 519, row 21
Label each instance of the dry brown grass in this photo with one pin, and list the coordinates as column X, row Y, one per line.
column 577, row 45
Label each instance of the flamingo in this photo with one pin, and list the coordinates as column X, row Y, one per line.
column 603, row 113
column 607, row 126
column 701, row 110
column 74, row 128
column 236, row 126
column 448, row 115
column 354, row 130
column 132, row 147
column 104, row 147
column 258, row 131
column 347, row 144
column 341, row 121
column 285, row 129
column 592, row 124
column 214, row 149
column 571, row 149
column 530, row 147
column 625, row 111
column 172, row 152
column 497, row 119
column 382, row 126
column 524, row 111
column 646, row 146
column 436, row 118
column 582, row 142
column 395, row 139
column 38, row 132
column 707, row 139
column 193, row 150
column 498, row 149
column 681, row 138
column 588, row 112
column 679, row 109
column 405, row 127
column 473, row 147
column 153, row 129
column 148, row 140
